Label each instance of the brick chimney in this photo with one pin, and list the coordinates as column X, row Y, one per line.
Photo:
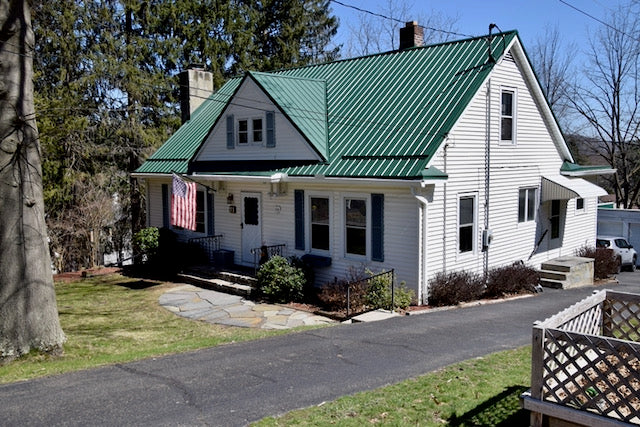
column 196, row 85
column 411, row 35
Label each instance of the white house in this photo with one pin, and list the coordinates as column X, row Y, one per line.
column 425, row 159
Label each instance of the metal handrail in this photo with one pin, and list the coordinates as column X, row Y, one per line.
column 209, row 244
column 264, row 253
column 367, row 281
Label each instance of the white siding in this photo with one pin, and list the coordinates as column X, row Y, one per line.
column 513, row 166
column 251, row 102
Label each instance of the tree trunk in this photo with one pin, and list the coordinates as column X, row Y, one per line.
column 28, row 312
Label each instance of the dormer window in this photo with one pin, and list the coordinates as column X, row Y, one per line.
column 257, row 130
column 243, row 131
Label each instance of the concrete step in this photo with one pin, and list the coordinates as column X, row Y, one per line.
column 551, row 266
column 240, row 278
column 219, row 285
column 550, row 283
column 554, row 275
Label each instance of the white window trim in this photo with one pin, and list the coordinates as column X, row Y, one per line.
column 250, row 129
column 343, row 226
column 474, row 233
column 514, row 116
column 535, row 209
column 308, row 247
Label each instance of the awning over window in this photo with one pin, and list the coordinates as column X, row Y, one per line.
column 562, row 188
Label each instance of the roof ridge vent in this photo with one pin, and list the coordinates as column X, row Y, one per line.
column 411, row 35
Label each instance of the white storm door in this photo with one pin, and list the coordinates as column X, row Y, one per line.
column 251, row 227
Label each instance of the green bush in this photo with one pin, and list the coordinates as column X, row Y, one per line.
column 378, row 293
column 513, row 279
column 145, row 245
column 279, row 281
column 455, row 287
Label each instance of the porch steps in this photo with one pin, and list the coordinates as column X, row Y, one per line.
column 566, row 272
column 229, row 282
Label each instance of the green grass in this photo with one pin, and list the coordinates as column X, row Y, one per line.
column 115, row 319
column 478, row 392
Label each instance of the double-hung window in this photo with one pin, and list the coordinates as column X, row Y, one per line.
column 256, row 126
column 527, row 202
column 466, row 223
column 319, row 223
column 356, row 226
column 507, row 116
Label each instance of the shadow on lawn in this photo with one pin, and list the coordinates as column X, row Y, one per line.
column 501, row 410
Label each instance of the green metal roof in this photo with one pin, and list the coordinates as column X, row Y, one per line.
column 174, row 155
column 573, row 168
column 386, row 114
column 303, row 101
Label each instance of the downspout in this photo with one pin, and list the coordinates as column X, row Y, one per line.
column 444, row 211
column 487, row 177
column 422, row 274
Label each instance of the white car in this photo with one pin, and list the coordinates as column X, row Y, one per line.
column 624, row 252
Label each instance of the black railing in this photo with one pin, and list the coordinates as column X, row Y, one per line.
column 264, row 253
column 207, row 245
column 357, row 291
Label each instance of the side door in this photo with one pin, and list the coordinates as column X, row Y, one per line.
column 624, row 250
column 251, row 225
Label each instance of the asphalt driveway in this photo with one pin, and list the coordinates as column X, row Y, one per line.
column 239, row 383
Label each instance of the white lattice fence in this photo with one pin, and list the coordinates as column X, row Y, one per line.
column 587, row 359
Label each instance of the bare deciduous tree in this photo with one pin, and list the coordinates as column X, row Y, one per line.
column 608, row 99
column 28, row 312
column 374, row 34
column 552, row 63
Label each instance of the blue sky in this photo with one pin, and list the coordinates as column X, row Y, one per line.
column 529, row 17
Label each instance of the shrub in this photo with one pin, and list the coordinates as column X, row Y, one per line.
column 455, row 287
column 309, row 290
column 513, row 279
column 604, row 261
column 378, row 293
column 279, row 281
column 145, row 245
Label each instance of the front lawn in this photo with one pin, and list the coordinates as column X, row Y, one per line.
column 116, row 319
column 479, row 392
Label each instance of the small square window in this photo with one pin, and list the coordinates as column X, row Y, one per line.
column 580, row 204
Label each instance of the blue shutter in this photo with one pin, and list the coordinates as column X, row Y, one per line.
column 299, row 217
column 271, row 129
column 165, row 205
column 377, row 227
column 209, row 207
column 231, row 144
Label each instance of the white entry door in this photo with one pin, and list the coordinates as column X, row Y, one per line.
column 251, row 227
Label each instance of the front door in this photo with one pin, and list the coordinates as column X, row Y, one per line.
column 251, row 227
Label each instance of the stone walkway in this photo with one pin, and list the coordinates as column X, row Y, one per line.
column 216, row 307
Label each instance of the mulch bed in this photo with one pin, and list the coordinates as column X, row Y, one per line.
column 76, row 275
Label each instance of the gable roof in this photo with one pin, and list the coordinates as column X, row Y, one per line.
column 386, row 114
column 303, row 101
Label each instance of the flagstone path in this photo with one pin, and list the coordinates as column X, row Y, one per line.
column 216, row 307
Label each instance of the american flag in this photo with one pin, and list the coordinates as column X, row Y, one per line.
column 183, row 203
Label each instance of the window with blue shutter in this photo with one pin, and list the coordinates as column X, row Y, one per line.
column 271, row 129
column 210, row 224
column 377, row 227
column 230, row 132
column 165, row 205
column 299, row 218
